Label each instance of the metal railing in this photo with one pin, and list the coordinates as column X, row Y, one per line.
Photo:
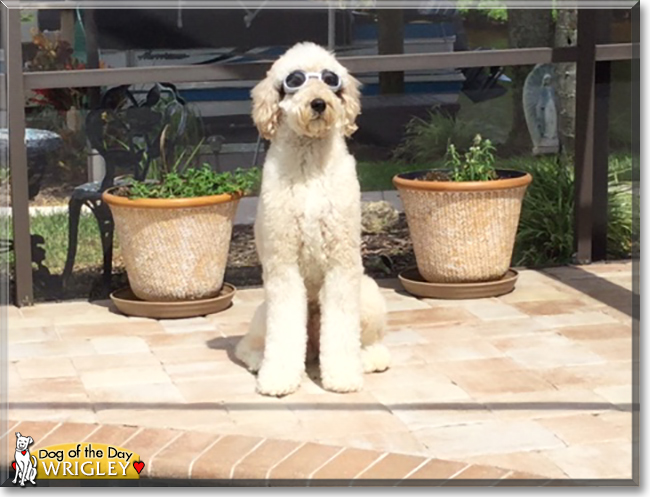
column 590, row 153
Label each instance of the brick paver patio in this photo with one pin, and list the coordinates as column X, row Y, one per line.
column 537, row 382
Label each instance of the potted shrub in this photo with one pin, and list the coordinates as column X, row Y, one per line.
column 463, row 219
column 174, row 229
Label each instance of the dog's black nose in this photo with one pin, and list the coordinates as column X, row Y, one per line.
column 318, row 105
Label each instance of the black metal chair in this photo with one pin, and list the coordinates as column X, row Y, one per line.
column 127, row 134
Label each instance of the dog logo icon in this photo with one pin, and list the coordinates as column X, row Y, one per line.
column 24, row 463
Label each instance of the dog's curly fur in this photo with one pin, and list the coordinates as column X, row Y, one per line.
column 318, row 302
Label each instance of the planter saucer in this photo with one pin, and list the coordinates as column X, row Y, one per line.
column 127, row 303
column 416, row 285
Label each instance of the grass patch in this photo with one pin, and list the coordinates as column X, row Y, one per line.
column 54, row 229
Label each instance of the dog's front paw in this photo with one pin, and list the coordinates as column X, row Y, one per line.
column 343, row 380
column 277, row 382
column 375, row 357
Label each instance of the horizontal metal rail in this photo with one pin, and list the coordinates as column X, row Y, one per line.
column 356, row 65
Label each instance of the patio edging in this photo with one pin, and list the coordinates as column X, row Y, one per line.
column 252, row 461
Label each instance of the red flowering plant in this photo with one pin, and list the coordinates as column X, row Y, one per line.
column 56, row 55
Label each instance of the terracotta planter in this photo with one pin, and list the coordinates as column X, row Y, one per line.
column 174, row 249
column 463, row 231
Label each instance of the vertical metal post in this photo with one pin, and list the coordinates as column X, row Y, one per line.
column 331, row 28
column 18, row 159
column 601, row 143
column 92, row 52
column 584, row 144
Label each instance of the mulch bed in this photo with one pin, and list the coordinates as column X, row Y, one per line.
column 385, row 255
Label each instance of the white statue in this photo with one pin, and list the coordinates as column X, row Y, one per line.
column 540, row 109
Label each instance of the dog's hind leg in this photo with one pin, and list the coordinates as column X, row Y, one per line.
column 250, row 349
column 375, row 355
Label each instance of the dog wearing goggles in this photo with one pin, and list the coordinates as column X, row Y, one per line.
column 318, row 303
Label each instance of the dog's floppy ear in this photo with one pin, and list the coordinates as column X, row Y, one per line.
column 30, row 440
column 351, row 103
column 266, row 108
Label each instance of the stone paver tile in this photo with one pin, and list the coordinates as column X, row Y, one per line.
column 175, row 460
column 67, row 433
column 102, row 329
column 181, row 340
column 171, row 355
column 476, row 365
column 443, row 414
column 529, row 405
column 263, row 419
column 551, row 307
column 621, row 420
column 218, row 461
column 584, row 429
column 457, row 351
column 202, row 369
column 399, row 441
column 423, row 377
column 55, row 413
column 50, row 348
column 435, row 469
column 404, row 336
column 249, row 295
column 209, row 419
column 345, row 422
column 264, row 457
column 124, row 376
column 396, row 302
column 346, row 465
column 303, row 462
column 232, row 330
column 529, row 462
column 620, row 395
column 482, row 382
column 428, row 317
column 34, row 334
column 455, row 332
column 50, row 390
column 602, row 460
column 597, row 332
column 451, row 442
column 575, row 319
column 138, row 393
column 236, row 314
column 120, row 345
column 546, row 350
column 533, row 293
column 420, row 395
column 88, row 363
column 504, row 328
column 150, row 441
column 189, row 325
column 208, row 390
column 46, row 367
column 619, row 349
column 405, row 355
column 488, row 474
column 10, row 312
column 391, row 467
column 111, row 435
column 589, row 375
column 493, row 309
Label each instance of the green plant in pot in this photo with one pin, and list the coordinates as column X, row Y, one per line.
column 175, row 227
column 463, row 219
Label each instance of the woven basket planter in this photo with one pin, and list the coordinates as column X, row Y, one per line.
column 463, row 232
column 174, row 249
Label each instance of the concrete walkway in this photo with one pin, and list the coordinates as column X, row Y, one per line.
column 536, row 382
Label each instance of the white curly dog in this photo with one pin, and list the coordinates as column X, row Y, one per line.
column 318, row 303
